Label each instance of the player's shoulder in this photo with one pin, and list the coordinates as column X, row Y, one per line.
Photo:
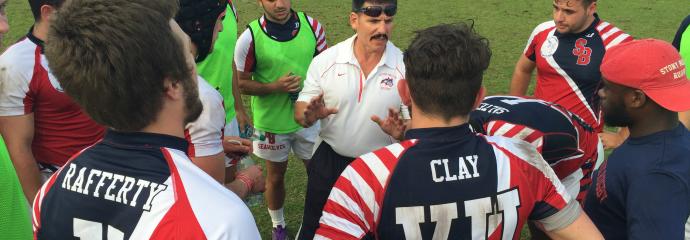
column 388, row 155
column 543, row 27
column 207, row 93
column 511, row 146
column 20, row 57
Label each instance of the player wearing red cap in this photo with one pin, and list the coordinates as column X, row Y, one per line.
column 642, row 191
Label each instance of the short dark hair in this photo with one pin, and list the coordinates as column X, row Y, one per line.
column 357, row 4
column 585, row 3
column 37, row 4
column 444, row 68
column 113, row 57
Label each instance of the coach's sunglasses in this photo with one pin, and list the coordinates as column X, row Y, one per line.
column 375, row 11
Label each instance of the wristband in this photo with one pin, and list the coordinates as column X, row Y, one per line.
column 247, row 182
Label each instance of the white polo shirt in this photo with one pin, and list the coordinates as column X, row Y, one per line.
column 336, row 73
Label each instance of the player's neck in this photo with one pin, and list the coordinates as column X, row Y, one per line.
column 170, row 120
column 589, row 22
column 40, row 30
column 424, row 120
column 646, row 126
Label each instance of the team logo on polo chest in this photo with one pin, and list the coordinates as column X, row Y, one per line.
column 386, row 81
column 549, row 47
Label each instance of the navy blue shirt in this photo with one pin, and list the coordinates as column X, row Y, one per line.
column 641, row 191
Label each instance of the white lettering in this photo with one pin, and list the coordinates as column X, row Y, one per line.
column 473, row 161
column 76, row 186
column 410, row 218
column 126, row 187
column 433, row 164
column 443, row 215
column 104, row 175
column 116, row 178
column 89, row 180
column 69, row 175
column 142, row 184
column 451, row 178
column 154, row 189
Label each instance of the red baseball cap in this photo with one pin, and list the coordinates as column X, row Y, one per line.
column 653, row 66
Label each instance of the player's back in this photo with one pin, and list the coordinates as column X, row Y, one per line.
column 444, row 183
column 138, row 186
column 563, row 139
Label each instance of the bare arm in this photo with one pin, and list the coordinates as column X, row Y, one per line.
column 240, row 112
column 521, row 76
column 213, row 165
column 612, row 140
column 18, row 132
column 287, row 83
column 299, row 112
column 581, row 228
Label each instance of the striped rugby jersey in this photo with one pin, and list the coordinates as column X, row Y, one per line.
column 568, row 65
column 138, row 186
column 567, row 143
column 27, row 86
column 445, row 183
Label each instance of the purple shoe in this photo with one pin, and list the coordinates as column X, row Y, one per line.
column 280, row 233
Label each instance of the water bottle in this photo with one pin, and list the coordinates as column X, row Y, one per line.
column 252, row 199
column 293, row 95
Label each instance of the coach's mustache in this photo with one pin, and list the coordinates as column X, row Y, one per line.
column 380, row 36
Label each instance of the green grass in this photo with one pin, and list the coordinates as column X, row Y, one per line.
column 506, row 23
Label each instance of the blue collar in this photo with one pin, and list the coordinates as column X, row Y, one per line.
column 144, row 140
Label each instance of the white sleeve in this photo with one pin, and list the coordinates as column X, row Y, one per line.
column 15, row 98
column 206, row 132
column 312, row 84
column 244, row 59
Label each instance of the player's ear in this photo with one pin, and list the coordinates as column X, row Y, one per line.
column 404, row 92
column 353, row 21
column 480, row 96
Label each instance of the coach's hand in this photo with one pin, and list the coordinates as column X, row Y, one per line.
column 288, row 83
column 316, row 110
column 392, row 125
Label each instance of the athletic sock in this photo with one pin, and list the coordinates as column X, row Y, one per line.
column 277, row 217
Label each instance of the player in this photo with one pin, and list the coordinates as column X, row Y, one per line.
column 137, row 183
column 201, row 21
column 272, row 56
column 567, row 143
column 40, row 124
column 444, row 181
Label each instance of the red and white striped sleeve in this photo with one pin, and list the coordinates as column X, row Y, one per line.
column 612, row 35
column 245, row 57
column 507, row 129
column 320, row 34
column 354, row 204
column 555, row 208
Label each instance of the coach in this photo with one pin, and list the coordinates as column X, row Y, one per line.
column 344, row 87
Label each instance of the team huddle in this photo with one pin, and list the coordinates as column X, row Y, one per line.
column 124, row 119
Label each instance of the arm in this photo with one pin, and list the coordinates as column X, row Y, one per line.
column 657, row 207
column 18, row 132
column 249, row 180
column 612, row 140
column 286, row 83
column 245, row 62
column 213, row 165
column 521, row 76
column 310, row 106
column 581, row 228
column 240, row 112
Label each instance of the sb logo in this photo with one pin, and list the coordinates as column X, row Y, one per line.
column 582, row 52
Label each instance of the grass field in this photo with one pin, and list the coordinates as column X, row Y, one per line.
column 506, row 23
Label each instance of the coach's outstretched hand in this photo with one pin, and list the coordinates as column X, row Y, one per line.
column 392, row 125
column 316, row 110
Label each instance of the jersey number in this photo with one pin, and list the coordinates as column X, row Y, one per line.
column 582, row 52
column 482, row 212
column 84, row 229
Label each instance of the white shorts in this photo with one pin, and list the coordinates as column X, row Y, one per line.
column 276, row 147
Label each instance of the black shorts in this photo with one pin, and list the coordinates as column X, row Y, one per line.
column 324, row 169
